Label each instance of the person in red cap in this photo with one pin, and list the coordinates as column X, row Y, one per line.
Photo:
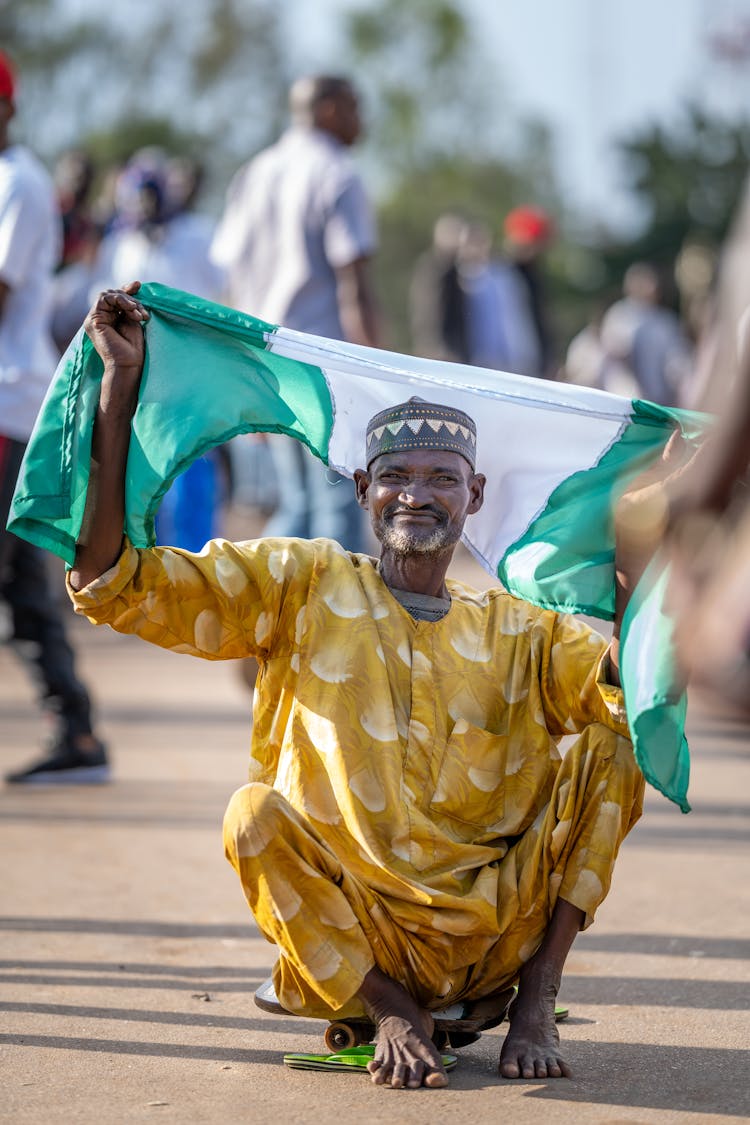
column 528, row 232
column 29, row 248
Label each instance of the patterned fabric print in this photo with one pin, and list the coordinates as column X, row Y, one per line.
column 331, row 928
column 417, row 751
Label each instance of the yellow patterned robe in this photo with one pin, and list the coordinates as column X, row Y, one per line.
column 407, row 804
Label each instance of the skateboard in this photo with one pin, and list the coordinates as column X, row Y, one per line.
column 456, row 1025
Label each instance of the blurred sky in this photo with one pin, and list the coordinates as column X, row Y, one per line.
column 594, row 69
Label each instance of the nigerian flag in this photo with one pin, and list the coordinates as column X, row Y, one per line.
column 555, row 456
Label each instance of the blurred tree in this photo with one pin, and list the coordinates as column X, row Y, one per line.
column 689, row 178
column 216, row 76
column 439, row 140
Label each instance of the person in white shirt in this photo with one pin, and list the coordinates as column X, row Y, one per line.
column 295, row 240
column 30, row 243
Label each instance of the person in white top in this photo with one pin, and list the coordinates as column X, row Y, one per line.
column 295, row 240
column 30, row 243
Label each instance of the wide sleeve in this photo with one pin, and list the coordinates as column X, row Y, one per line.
column 574, row 664
column 229, row 601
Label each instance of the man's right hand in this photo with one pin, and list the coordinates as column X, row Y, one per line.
column 114, row 327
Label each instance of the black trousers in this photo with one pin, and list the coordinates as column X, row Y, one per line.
column 37, row 620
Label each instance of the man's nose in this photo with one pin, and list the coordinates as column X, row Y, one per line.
column 414, row 493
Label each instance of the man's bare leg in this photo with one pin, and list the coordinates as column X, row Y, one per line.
column 405, row 1055
column 532, row 1046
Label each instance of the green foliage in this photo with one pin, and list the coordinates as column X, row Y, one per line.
column 689, row 178
column 212, row 68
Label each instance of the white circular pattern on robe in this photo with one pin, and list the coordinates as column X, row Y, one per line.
column 319, row 803
column 254, row 769
column 379, row 611
column 299, row 624
column 528, row 949
column 485, row 884
column 341, row 918
column 332, row 665
column 609, row 820
column 294, row 662
column 463, row 707
column 465, row 644
column 150, row 607
column 560, row 833
column 421, row 663
column 286, row 901
column 379, row 723
column 281, row 564
column 453, row 921
column 402, row 720
column 345, row 603
column 323, row 962
column 366, row 786
column 207, row 631
column 321, row 731
column 178, row 570
column 515, row 689
column 514, row 759
column 379, row 652
column 515, row 619
column 401, row 845
column 484, row 780
column 285, row 772
column 418, row 732
column 263, row 628
column 230, row 577
column 589, row 889
column 404, row 653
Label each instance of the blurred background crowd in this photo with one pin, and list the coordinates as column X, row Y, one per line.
column 488, row 251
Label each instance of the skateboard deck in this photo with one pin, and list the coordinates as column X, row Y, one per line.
column 455, row 1025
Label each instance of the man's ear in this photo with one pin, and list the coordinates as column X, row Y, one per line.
column 476, row 493
column 361, row 485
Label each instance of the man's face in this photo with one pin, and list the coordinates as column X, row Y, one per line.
column 340, row 115
column 419, row 499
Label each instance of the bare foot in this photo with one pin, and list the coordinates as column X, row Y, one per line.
column 532, row 1046
column 405, row 1056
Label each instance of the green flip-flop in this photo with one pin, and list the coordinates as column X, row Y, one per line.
column 350, row 1058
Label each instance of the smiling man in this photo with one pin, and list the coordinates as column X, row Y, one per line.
column 410, row 835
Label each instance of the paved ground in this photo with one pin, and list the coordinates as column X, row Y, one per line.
column 128, row 959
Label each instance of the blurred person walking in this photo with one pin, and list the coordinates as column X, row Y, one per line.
column 295, row 239
column 640, row 332
column 528, row 231
column 437, row 304
column 30, row 243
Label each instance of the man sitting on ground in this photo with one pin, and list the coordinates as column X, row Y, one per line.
column 410, row 835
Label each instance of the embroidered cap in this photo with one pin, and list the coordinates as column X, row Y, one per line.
column 417, row 424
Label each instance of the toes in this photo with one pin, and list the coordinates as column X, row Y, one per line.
column 435, row 1078
column 509, row 1068
column 528, row 1069
column 554, row 1069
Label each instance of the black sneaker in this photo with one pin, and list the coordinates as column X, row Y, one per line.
column 66, row 765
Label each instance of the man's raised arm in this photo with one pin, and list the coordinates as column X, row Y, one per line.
column 114, row 326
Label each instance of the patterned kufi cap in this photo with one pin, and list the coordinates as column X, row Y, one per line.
column 421, row 425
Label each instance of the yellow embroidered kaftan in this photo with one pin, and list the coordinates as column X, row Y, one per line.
column 420, row 758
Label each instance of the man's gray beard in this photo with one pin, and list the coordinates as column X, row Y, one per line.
column 402, row 542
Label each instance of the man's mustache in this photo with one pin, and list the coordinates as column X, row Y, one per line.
column 399, row 509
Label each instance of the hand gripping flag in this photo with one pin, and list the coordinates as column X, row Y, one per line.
column 555, row 456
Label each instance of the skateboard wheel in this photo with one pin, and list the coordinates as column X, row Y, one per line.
column 339, row 1036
